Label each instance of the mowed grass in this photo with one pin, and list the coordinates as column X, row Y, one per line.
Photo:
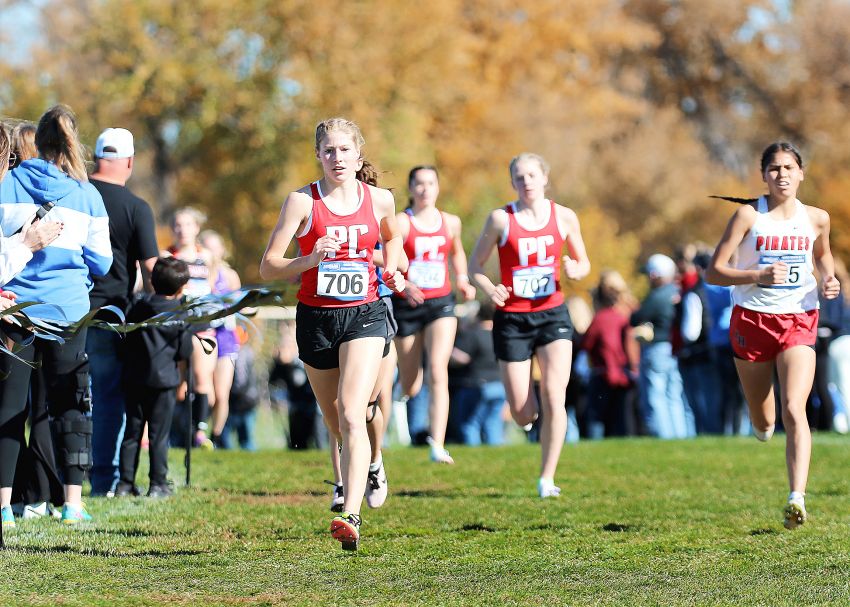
column 641, row 522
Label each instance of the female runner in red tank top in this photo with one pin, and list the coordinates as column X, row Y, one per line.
column 340, row 321
column 425, row 311
column 531, row 318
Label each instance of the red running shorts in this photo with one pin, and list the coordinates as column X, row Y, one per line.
column 761, row 336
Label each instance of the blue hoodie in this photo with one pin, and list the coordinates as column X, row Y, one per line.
column 59, row 274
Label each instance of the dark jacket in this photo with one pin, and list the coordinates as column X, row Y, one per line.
column 151, row 354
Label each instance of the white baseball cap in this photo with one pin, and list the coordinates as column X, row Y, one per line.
column 661, row 266
column 114, row 143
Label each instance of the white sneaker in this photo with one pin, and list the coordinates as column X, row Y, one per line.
column 35, row 511
column 376, row 487
column 764, row 436
column 439, row 454
column 795, row 513
column 547, row 489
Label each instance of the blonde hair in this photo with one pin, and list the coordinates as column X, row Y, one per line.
column 23, row 141
column 199, row 217
column 58, row 142
column 332, row 125
column 544, row 166
column 611, row 290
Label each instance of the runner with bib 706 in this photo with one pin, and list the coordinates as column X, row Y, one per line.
column 340, row 322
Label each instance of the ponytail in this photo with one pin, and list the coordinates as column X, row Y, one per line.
column 58, row 142
column 737, row 200
column 368, row 174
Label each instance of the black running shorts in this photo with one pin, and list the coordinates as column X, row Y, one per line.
column 392, row 327
column 517, row 334
column 412, row 319
column 319, row 332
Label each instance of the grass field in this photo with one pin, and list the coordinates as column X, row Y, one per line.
column 641, row 522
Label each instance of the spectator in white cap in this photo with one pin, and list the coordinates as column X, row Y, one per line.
column 662, row 403
column 134, row 249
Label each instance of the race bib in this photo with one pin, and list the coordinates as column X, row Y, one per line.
column 427, row 274
column 533, row 282
column 345, row 280
column 796, row 266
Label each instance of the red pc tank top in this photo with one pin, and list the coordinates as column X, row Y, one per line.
column 428, row 252
column 346, row 278
column 530, row 263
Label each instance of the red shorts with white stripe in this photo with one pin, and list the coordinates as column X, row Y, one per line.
column 760, row 336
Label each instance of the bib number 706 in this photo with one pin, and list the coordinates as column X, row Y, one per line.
column 345, row 280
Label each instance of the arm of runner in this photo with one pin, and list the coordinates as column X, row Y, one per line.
column 457, row 256
column 274, row 264
column 487, row 242
column 392, row 240
column 576, row 264
column 822, row 256
column 719, row 272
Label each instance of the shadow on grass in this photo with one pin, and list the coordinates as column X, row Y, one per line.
column 618, row 527
column 157, row 554
column 444, row 493
column 763, row 531
column 477, row 527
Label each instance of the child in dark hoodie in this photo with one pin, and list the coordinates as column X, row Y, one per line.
column 151, row 377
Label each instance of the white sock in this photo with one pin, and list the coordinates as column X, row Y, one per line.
column 545, row 482
column 373, row 467
column 764, row 436
column 796, row 496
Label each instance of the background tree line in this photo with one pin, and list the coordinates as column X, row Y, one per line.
column 642, row 107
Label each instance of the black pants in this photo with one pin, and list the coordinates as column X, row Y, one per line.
column 60, row 363
column 36, row 477
column 155, row 407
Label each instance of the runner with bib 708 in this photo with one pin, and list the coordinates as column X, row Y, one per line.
column 340, row 322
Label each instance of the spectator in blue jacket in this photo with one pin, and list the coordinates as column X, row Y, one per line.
column 58, row 276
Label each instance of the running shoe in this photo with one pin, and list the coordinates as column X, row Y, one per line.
column 8, row 517
column 795, row 513
column 202, row 441
column 73, row 515
column 346, row 529
column 338, row 496
column 764, row 436
column 439, row 454
column 376, row 487
column 38, row 510
column 547, row 489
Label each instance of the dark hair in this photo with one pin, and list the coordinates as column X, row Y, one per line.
column 780, row 146
column 368, row 173
column 412, row 174
column 766, row 156
column 168, row 275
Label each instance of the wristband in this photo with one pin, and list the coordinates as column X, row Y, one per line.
column 463, row 277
